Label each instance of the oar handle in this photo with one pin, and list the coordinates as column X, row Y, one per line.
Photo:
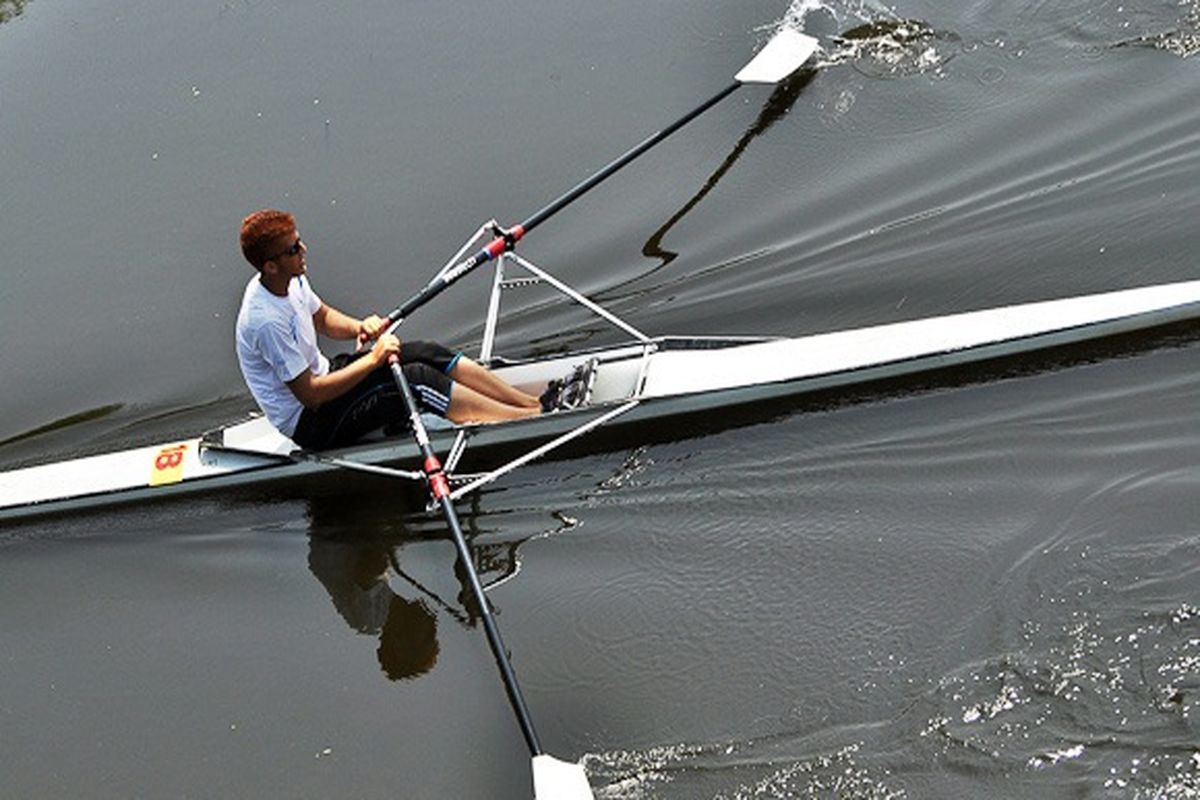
column 508, row 239
column 439, row 487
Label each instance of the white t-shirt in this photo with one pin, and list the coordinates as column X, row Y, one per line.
column 276, row 342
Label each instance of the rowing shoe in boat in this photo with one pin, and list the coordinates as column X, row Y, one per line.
column 644, row 379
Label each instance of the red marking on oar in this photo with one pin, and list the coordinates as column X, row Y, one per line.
column 496, row 246
column 438, row 485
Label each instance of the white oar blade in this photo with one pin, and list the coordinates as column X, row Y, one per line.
column 782, row 56
column 559, row 780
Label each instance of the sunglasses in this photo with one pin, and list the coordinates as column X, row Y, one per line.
column 291, row 251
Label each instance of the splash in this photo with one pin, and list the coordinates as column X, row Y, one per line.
column 636, row 462
column 810, row 15
column 1172, row 26
column 1184, row 41
column 11, row 9
column 895, row 49
column 871, row 37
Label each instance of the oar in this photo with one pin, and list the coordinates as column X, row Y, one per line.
column 553, row 779
column 785, row 53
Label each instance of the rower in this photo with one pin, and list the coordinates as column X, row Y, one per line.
column 319, row 403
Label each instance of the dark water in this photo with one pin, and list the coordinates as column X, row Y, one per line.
column 988, row 585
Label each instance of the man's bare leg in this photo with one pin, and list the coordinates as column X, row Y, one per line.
column 468, row 405
column 467, row 373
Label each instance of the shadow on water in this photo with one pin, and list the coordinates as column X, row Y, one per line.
column 356, row 552
column 116, row 426
column 89, row 415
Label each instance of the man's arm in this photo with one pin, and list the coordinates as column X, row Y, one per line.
column 337, row 325
column 314, row 390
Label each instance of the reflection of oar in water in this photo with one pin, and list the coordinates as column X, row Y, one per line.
column 785, row 53
column 777, row 106
column 461, row 616
column 554, row 779
column 465, row 617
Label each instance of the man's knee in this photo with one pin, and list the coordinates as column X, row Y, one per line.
column 431, row 353
column 422, row 373
column 430, row 386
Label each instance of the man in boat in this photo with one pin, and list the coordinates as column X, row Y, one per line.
column 320, row 403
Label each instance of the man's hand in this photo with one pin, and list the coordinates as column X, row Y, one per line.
column 370, row 327
column 313, row 391
column 385, row 347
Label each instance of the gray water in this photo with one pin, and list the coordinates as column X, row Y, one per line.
column 982, row 585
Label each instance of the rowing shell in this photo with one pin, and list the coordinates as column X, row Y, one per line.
column 645, row 380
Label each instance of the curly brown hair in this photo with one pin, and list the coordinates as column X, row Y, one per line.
column 260, row 230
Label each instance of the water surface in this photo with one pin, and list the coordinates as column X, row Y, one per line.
column 980, row 585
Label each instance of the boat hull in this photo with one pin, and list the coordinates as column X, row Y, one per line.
column 668, row 377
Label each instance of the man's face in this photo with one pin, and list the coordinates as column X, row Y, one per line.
column 289, row 258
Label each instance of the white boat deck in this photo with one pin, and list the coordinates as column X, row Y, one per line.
column 676, row 372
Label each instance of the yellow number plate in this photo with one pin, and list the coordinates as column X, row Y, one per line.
column 168, row 465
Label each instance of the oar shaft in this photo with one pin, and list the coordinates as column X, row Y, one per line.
column 508, row 241
column 515, row 698
column 491, row 250
column 435, row 478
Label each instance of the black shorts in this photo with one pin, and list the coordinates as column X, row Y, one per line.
column 375, row 402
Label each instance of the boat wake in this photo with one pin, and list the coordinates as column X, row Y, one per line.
column 1094, row 701
column 738, row 771
column 1085, row 678
column 1105, row 701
